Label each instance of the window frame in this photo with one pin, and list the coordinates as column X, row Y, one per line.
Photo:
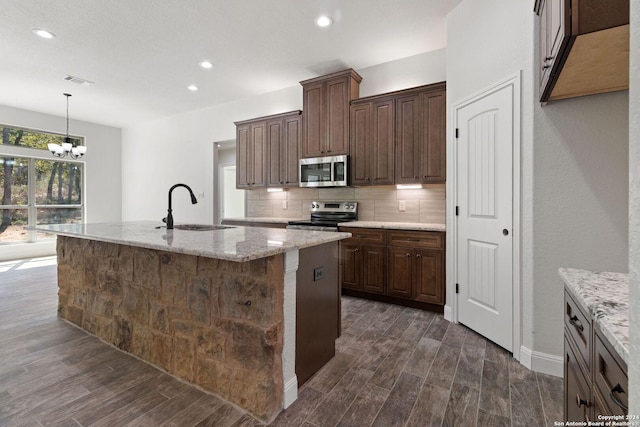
column 33, row 154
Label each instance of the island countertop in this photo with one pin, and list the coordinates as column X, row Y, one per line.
column 235, row 243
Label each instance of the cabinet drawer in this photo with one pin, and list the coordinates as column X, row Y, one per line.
column 578, row 326
column 365, row 235
column 577, row 389
column 610, row 379
column 416, row 239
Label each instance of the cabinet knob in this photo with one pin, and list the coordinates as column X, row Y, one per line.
column 548, row 58
column 546, row 66
column 418, row 256
column 580, row 401
column 356, row 250
column 408, row 255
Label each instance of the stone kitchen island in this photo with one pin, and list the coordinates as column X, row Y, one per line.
column 216, row 308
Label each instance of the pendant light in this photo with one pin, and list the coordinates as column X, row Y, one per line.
column 67, row 147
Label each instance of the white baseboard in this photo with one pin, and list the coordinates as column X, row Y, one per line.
column 290, row 392
column 448, row 313
column 542, row 362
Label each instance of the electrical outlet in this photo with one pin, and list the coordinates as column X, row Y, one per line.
column 285, row 204
column 402, row 205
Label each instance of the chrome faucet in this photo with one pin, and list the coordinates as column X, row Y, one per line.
column 169, row 218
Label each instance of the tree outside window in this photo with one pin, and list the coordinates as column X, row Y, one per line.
column 35, row 190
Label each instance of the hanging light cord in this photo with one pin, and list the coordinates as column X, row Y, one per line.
column 67, row 95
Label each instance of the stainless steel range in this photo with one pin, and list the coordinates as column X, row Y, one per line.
column 325, row 216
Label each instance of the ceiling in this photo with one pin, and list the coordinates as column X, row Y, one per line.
column 143, row 54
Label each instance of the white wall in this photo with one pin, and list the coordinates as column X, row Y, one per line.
column 573, row 162
column 634, row 211
column 180, row 148
column 103, row 177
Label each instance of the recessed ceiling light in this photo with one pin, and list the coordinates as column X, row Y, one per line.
column 206, row 64
column 324, row 21
column 43, row 33
column 192, row 88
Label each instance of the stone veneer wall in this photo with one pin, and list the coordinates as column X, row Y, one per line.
column 214, row 323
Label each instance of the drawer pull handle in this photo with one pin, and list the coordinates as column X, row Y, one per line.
column 580, row 401
column 618, row 389
column 575, row 322
column 245, row 303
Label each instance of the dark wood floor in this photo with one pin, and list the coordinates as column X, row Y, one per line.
column 393, row 366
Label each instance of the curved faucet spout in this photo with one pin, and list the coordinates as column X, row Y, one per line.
column 169, row 219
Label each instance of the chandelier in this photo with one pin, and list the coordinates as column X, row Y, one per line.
column 67, row 147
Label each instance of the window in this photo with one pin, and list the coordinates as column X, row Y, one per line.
column 36, row 191
column 32, row 138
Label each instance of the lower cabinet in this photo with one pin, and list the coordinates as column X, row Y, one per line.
column 595, row 377
column 407, row 266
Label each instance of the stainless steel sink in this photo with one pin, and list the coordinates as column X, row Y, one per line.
column 200, row 227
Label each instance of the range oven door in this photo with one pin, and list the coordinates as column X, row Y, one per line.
column 323, row 172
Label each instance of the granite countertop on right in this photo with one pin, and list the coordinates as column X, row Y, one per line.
column 415, row 226
column 605, row 296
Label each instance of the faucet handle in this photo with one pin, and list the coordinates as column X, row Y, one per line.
column 164, row 219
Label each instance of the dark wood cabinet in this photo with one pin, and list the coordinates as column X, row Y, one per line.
column 325, row 109
column 401, row 272
column 595, row 376
column 405, row 266
column 267, row 150
column 251, row 154
column 399, row 137
column 583, row 47
column 363, row 261
column 372, row 142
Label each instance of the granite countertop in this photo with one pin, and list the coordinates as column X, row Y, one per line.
column 606, row 297
column 265, row 219
column 236, row 243
column 416, row 226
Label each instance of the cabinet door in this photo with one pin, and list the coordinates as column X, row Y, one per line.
column 374, row 269
column 351, row 260
column 258, row 149
column 433, row 147
column 291, row 150
column 408, row 139
column 275, row 152
column 359, row 140
column 382, row 142
column 337, row 116
column 429, row 276
column 314, row 121
column 242, row 156
column 577, row 391
column 400, row 279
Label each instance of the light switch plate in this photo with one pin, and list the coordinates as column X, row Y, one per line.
column 285, row 204
column 402, row 205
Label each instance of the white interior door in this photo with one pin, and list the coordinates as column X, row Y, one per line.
column 233, row 200
column 484, row 200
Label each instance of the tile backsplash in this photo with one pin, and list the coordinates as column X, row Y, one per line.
column 426, row 205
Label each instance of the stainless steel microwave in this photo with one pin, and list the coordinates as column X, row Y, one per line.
column 324, row 172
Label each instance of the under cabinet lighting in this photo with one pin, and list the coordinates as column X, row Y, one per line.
column 408, row 186
column 274, row 190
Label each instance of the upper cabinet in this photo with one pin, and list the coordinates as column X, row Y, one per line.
column 325, row 114
column 583, row 47
column 399, row 137
column 267, row 151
